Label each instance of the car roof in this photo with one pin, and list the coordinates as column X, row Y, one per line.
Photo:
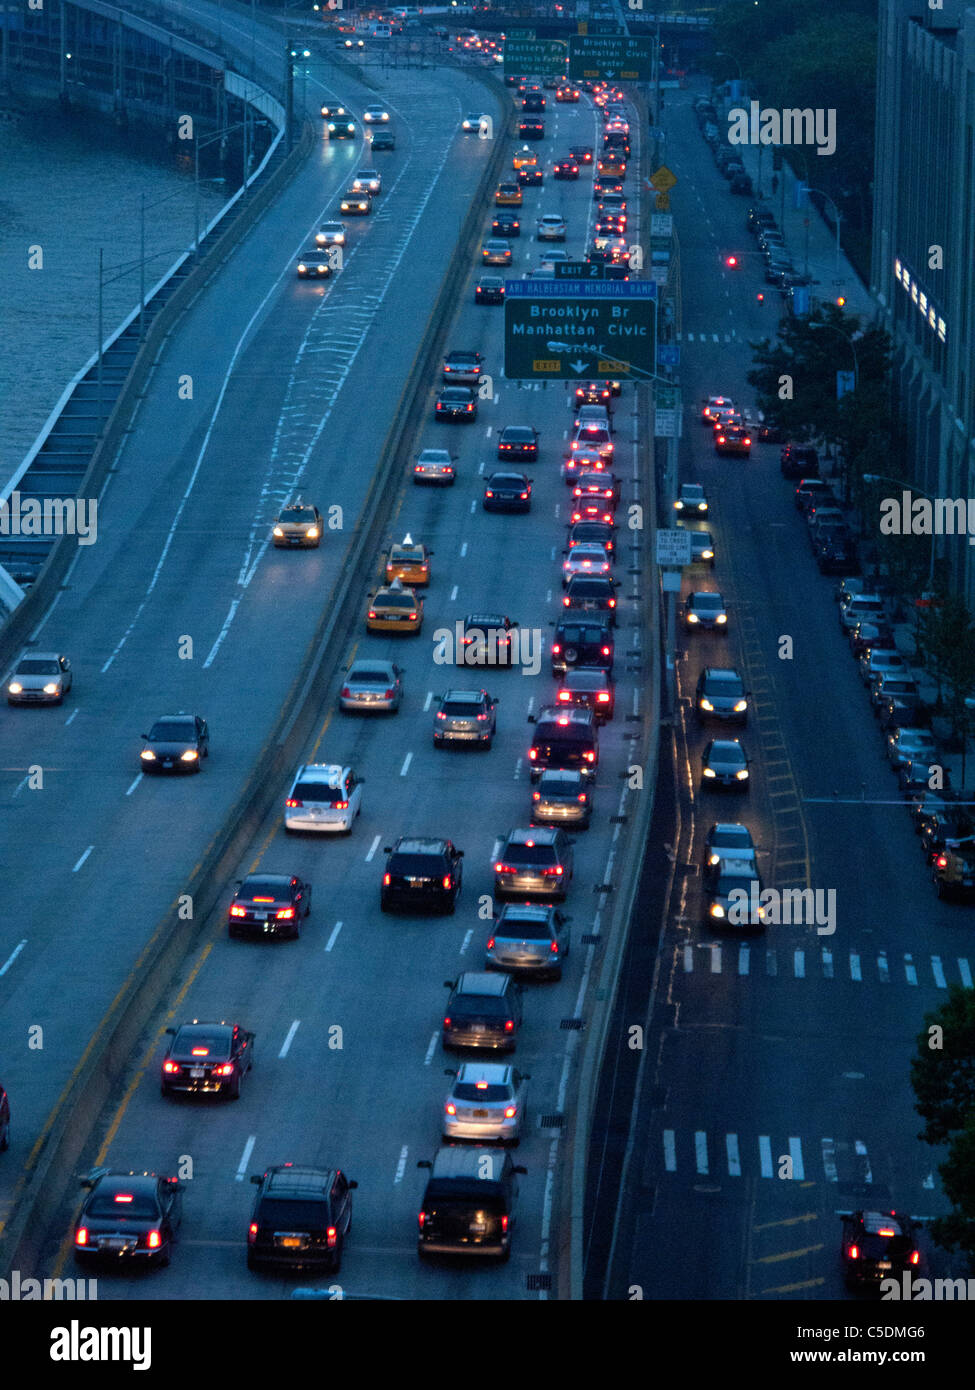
column 720, row 673
column 283, row 879
column 466, row 1163
column 494, row 1073
column 724, row 746
column 30, row 655
column 527, row 912
column 464, row 694
column 316, row 771
column 419, row 844
column 123, row 1182
column 533, row 835
column 484, row 619
column 290, row 1180
column 724, row 827
column 481, row 982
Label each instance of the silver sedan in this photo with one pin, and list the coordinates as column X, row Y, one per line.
column 486, row 1102
column 372, row 685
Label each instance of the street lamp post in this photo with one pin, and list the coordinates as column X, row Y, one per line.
column 199, row 145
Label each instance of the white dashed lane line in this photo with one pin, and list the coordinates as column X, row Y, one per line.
column 372, row 848
column 406, row 765
column 288, row 1040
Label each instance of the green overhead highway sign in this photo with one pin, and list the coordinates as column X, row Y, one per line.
column 569, row 329
column 534, row 57
column 614, row 57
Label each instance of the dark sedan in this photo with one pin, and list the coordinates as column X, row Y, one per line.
column 129, row 1218
column 591, row 688
column 506, row 224
column 176, row 743
column 456, row 403
column 507, row 492
column 518, row 442
column 269, row 905
column 207, row 1058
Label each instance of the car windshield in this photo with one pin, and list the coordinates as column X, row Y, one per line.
column 370, row 676
column 589, row 588
column 708, row 603
column 524, row 931
column 298, row 1215
column 36, row 667
column 416, row 865
column 467, row 707
column 138, row 1206
column 732, row 839
column 469, row 1090
column 532, row 854
column 171, row 731
column 723, row 685
column 727, row 882
column 488, row 1005
column 297, row 514
column 406, row 552
column 216, row 1046
column 263, row 888
column 319, row 791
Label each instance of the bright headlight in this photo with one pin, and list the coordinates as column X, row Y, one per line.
column 710, row 772
column 741, row 706
column 190, row 756
column 51, row 688
column 707, row 554
column 693, row 618
column 717, row 910
column 148, row 755
column 278, row 531
column 312, row 533
column 721, row 618
column 15, row 687
column 706, row 704
column 742, row 775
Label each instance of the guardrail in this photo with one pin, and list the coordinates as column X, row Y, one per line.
column 105, row 1060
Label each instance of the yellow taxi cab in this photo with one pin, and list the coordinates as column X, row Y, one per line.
column 524, row 158
column 508, row 196
column 395, row 608
column 408, row 562
column 612, row 166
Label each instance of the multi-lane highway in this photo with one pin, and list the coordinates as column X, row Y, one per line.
column 183, row 605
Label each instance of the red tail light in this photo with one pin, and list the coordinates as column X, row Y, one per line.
column 385, row 880
column 293, row 801
column 490, row 945
column 412, row 617
column 553, row 870
column 226, row 1070
column 389, row 694
column 470, row 405
column 446, row 1023
column 346, row 692
column 341, row 805
column 854, row 1252
column 447, row 881
column 236, row 911
column 942, row 861
column 532, row 754
column 154, row 1240
column 603, row 697
column 509, row 1027
column 252, row 1233
column 915, row 1257
column 488, row 492
column 284, row 914
column 555, row 648
column 482, row 716
column 450, row 1108
column 503, row 868
column 605, row 651
column 170, row 1067
column 331, row 1237
column 372, row 612
column 564, row 695
column 582, row 796
column 524, row 496
column 554, row 947
column 421, row 1218
column 81, row 1236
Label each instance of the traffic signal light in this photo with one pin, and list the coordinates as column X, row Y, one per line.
column 760, row 297
column 731, row 262
column 841, row 300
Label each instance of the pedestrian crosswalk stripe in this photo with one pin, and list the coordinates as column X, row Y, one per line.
column 829, row 1160
column 832, row 966
column 670, row 1151
column 765, row 1154
column 701, row 1150
column 795, row 1153
column 734, row 1160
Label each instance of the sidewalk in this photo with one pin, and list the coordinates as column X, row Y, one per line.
column 808, row 237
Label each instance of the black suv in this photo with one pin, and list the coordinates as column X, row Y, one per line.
column 592, row 593
column 301, row 1217
column 565, row 738
column 799, row 461
column 422, row 873
column 483, row 1010
column 578, row 643
column 469, row 1204
column 877, row 1245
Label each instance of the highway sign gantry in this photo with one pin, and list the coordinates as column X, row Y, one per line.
column 613, row 57
column 569, row 329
